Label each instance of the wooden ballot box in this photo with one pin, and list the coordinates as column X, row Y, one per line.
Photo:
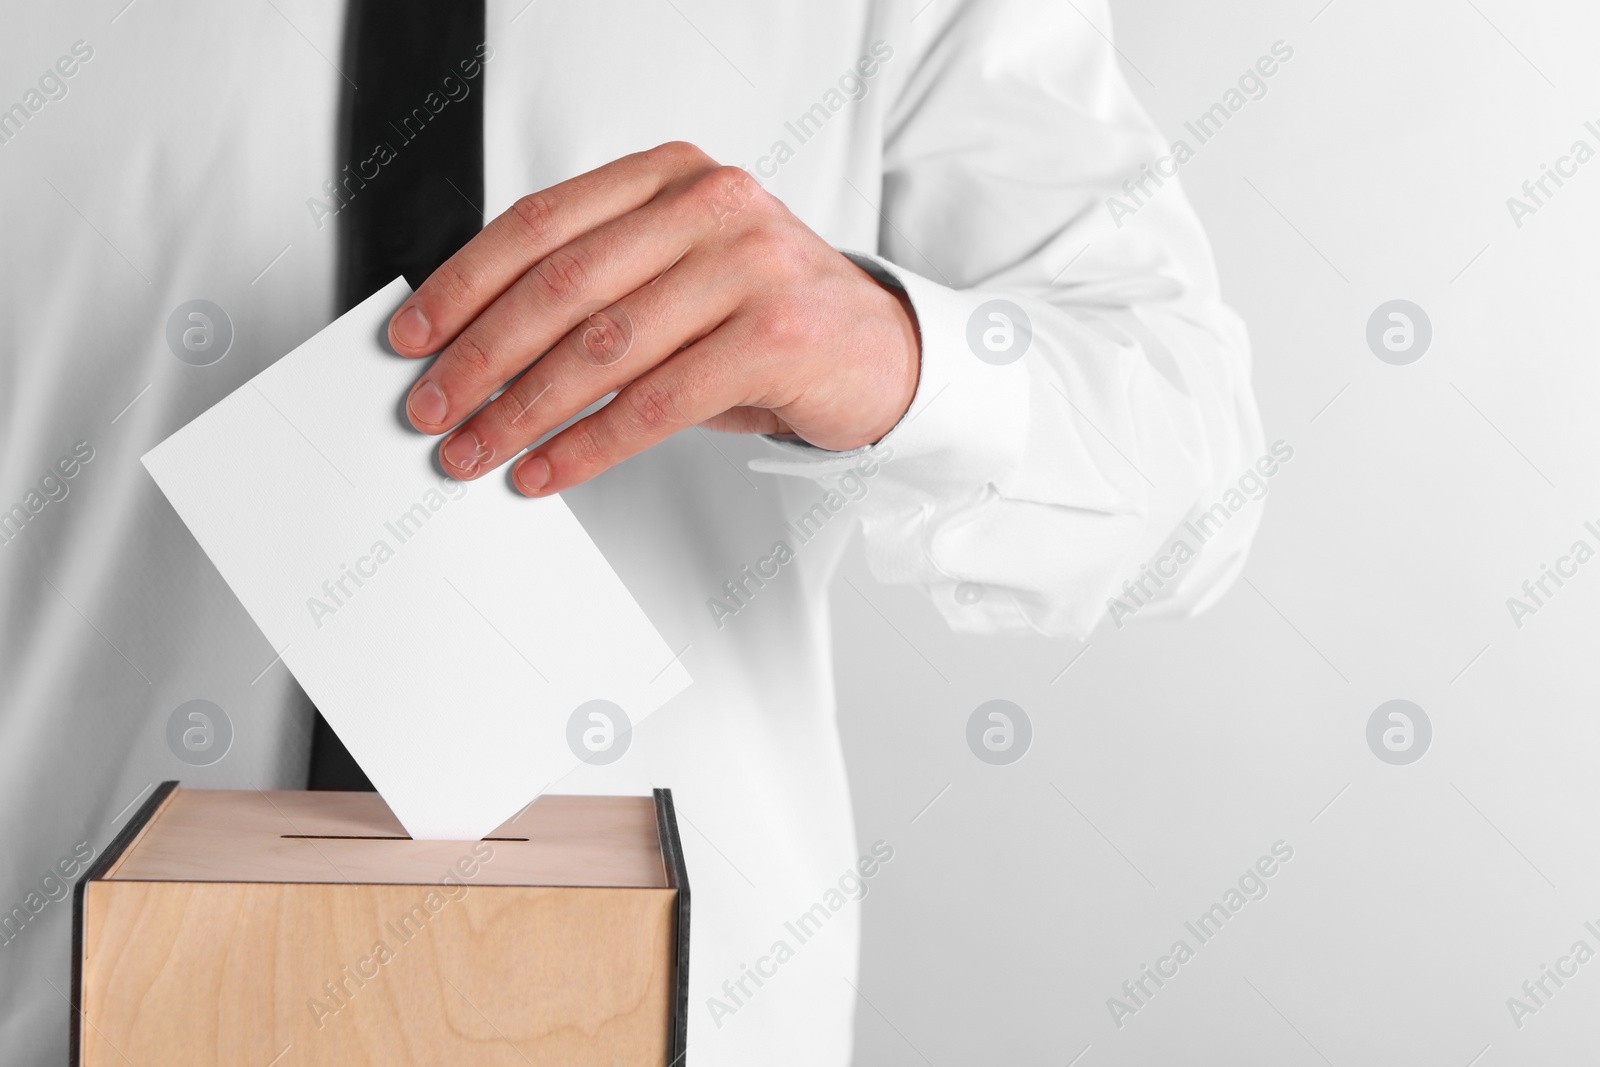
column 296, row 929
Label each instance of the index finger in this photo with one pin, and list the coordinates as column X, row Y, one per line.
column 536, row 225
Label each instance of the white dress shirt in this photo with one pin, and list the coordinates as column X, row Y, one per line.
column 180, row 160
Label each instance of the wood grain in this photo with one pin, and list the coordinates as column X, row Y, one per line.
column 185, row 974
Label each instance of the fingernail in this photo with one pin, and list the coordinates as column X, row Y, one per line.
column 464, row 451
column 427, row 404
column 533, row 475
column 411, row 327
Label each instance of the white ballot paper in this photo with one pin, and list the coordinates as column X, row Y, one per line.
column 448, row 631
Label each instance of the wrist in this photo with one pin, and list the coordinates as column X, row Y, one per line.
column 904, row 360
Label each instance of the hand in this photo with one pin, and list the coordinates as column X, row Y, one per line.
column 681, row 285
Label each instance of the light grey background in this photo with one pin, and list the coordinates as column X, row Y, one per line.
column 1173, row 754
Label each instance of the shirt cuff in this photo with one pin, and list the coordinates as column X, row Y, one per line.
column 968, row 420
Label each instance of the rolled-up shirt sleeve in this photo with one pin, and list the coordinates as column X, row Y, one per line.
column 1084, row 394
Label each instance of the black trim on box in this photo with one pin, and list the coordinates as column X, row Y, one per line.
column 677, row 878
column 97, row 870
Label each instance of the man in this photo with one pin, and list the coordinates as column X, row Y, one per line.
column 1015, row 390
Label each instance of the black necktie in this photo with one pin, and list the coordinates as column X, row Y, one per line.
column 411, row 136
column 411, row 181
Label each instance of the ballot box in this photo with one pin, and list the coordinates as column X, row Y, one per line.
column 292, row 929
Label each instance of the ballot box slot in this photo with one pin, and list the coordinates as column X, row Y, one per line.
column 369, row 837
